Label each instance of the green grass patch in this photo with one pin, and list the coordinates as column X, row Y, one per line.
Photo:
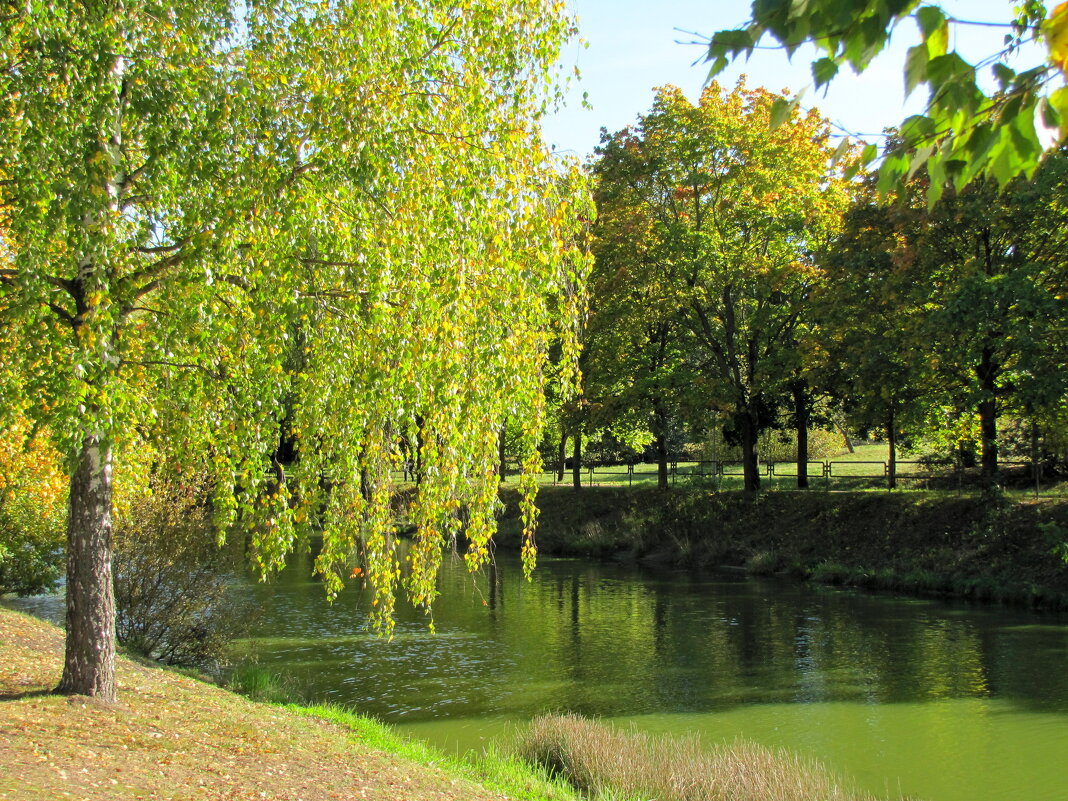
column 508, row 774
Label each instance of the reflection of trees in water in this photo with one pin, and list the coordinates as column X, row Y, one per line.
column 605, row 639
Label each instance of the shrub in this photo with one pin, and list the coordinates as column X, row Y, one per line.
column 766, row 563
column 171, row 579
column 829, row 572
column 601, row 761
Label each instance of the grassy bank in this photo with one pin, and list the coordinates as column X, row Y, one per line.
column 995, row 548
column 174, row 737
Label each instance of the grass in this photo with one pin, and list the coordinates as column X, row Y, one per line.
column 172, row 736
column 508, row 774
column 605, row 763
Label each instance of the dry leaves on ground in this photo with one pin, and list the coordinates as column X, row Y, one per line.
column 172, row 737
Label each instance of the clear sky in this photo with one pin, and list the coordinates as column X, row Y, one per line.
column 637, row 45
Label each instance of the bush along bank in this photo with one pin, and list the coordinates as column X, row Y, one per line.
column 990, row 548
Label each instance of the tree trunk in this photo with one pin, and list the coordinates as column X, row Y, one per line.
column 576, row 459
column 660, row 432
column 750, row 464
column 845, row 437
column 89, row 662
column 661, row 461
column 891, row 439
column 502, row 459
column 418, row 462
column 987, row 372
column 1036, row 467
column 561, row 457
column 801, row 414
column 988, row 426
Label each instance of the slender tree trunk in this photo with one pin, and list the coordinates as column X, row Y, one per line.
column 89, row 662
column 988, row 417
column 661, row 461
column 988, row 426
column 576, row 459
column 502, row 459
column 750, row 463
column 845, row 437
column 1035, row 465
column 891, row 438
column 417, row 464
column 660, row 432
column 801, row 415
column 561, row 457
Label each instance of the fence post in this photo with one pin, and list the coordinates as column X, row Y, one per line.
column 630, row 475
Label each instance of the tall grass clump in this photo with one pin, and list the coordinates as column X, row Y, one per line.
column 258, row 683
column 601, row 761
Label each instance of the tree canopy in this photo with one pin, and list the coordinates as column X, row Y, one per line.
column 715, row 214
column 966, row 130
column 331, row 222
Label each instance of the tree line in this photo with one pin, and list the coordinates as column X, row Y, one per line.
column 743, row 279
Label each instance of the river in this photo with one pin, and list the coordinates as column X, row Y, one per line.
column 938, row 701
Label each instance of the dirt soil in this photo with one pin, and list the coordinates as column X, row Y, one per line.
column 173, row 737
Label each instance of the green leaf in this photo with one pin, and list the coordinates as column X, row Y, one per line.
column 915, row 68
column 781, row 110
column 1004, row 75
column 893, row 170
column 841, row 150
column 930, row 19
column 823, row 70
column 935, row 30
column 919, row 159
column 917, row 130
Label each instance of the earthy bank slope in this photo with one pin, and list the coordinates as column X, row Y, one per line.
column 172, row 737
column 997, row 549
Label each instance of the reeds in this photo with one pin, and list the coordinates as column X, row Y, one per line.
column 604, row 762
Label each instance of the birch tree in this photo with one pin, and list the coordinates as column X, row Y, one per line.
column 187, row 186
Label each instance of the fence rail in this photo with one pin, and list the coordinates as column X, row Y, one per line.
column 833, row 473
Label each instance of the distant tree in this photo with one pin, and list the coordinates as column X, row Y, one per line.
column 996, row 263
column 874, row 352
column 733, row 209
column 185, row 185
column 958, row 305
column 964, row 132
column 635, row 364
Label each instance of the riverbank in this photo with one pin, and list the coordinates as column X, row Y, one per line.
column 175, row 737
column 994, row 549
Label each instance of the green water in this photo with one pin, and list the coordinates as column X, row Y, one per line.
column 937, row 701
column 932, row 700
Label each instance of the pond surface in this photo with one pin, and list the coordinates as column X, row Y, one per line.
column 936, row 701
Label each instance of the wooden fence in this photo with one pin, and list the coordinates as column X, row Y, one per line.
column 783, row 475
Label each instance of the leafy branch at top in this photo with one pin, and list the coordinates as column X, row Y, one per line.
column 965, row 132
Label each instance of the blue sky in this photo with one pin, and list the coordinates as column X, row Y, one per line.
column 637, row 45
